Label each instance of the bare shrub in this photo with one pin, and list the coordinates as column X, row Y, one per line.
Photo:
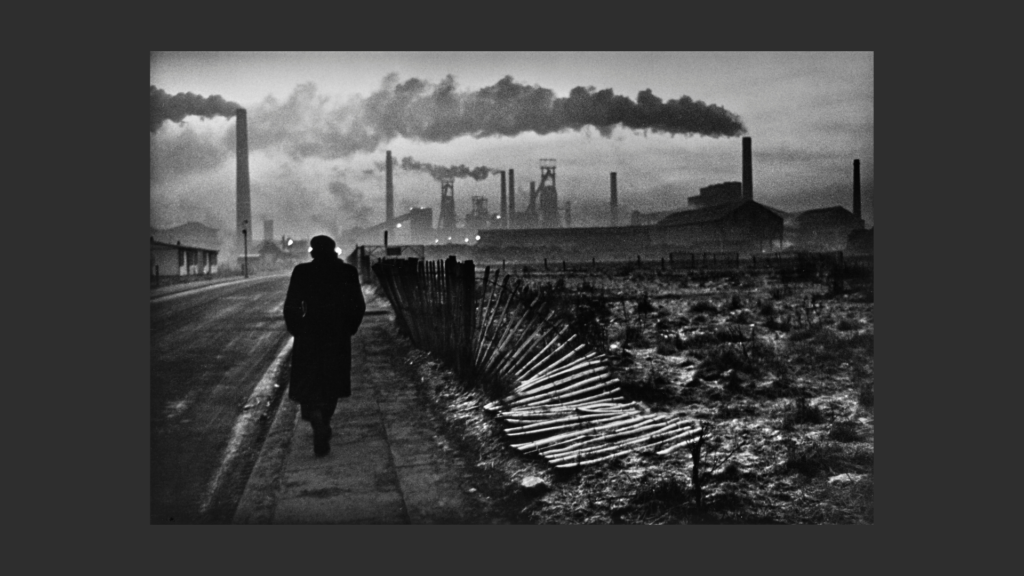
column 703, row 306
column 815, row 457
column 700, row 340
column 650, row 385
column 844, row 431
column 866, row 394
column 643, row 304
column 755, row 357
column 667, row 346
column 846, row 325
column 801, row 412
column 744, row 317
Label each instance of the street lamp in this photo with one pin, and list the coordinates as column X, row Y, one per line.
column 245, row 248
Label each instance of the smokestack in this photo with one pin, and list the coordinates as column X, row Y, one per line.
column 856, row 188
column 389, row 190
column 511, row 197
column 268, row 230
column 504, row 203
column 243, row 210
column 615, row 201
column 748, row 171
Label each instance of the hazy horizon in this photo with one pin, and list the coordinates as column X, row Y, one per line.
column 667, row 123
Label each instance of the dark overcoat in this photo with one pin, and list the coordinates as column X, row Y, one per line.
column 323, row 310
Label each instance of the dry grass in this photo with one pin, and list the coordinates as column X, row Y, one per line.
column 784, row 371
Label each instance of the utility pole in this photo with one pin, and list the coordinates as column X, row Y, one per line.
column 245, row 248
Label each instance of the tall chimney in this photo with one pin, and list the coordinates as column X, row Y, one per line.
column 243, row 210
column 856, row 188
column 268, row 230
column 389, row 190
column 748, row 171
column 511, row 197
column 504, row 203
column 615, row 201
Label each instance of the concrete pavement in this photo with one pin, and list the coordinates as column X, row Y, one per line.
column 164, row 291
column 385, row 464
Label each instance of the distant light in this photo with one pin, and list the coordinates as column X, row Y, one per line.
column 477, row 237
column 337, row 250
column 310, row 249
column 467, row 239
column 449, row 238
column 436, row 240
column 499, row 216
column 399, row 224
column 290, row 242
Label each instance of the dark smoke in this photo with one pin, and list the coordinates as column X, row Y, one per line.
column 439, row 172
column 163, row 106
column 415, row 109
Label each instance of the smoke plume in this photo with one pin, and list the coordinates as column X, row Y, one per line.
column 306, row 125
column 163, row 106
column 439, row 172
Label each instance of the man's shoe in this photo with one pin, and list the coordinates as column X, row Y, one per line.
column 321, row 444
column 321, row 433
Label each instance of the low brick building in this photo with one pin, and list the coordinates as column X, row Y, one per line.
column 167, row 259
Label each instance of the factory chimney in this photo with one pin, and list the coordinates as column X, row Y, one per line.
column 389, row 190
column 615, row 201
column 268, row 230
column 504, row 203
column 243, row 210
column 856, row 188
column 748, row 171
column 511, row 198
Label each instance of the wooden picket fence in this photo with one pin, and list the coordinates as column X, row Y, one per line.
column 553, row 395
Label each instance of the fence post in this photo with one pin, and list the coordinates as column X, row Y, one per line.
column 469, row 316
column 698, row 491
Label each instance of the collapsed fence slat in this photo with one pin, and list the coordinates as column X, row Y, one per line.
column 510, row 335
column 575, row 388
column 541, row 331
column 503, row 320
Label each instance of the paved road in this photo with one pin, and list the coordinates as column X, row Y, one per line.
column 208, row 350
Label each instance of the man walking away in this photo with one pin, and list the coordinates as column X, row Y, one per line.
column 323, row 310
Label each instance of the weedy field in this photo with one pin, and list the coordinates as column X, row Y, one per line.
column 780, row 363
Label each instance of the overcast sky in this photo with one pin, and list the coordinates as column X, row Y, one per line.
column 319, row 125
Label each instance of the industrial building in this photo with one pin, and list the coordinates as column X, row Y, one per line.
column 723, row 216
column 180, row 260
column 717, row 194
column 827, row 228
column 823, row 228
column 744, row 226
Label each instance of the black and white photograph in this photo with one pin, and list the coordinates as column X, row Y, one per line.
column 511, row 288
